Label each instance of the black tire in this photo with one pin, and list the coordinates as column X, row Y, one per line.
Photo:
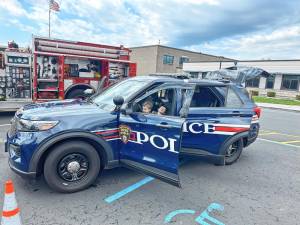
column 233, row 152
column 76, row 93
column 78, row 152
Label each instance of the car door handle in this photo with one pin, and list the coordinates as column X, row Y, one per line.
column 164, row 125
column 213, row 121
column 236, row 113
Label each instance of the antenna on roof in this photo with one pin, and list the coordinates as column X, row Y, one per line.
column 158, row 41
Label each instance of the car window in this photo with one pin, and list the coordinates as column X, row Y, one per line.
column 208, row 97
column 233, row 100
column 161, row 102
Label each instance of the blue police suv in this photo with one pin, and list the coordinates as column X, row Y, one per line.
column 145, row 123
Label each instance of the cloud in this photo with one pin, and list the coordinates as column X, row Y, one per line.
column 14, row 7
column 222, row 27
column 281, row 43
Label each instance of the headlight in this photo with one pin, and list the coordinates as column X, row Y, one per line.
column 31, row 125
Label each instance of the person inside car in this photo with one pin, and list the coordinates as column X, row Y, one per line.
column 147, row 107
column 162, row 110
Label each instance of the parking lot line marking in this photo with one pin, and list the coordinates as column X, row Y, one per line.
column 127, row 190
column 266, row 132
column 288, row 142
column 290, row 135
column 133, row 187
column 269, row 133
column 276, row 142
column 2, row 125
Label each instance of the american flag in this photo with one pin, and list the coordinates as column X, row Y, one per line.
column 53, row 5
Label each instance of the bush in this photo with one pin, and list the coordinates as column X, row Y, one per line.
column 271, row 94
column 254, row 93
column 297, row 97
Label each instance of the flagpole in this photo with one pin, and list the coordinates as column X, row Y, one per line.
column 49, row 18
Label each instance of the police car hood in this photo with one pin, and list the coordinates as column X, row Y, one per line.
column 58, row 109
column 237, row 74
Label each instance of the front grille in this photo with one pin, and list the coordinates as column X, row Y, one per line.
column 13, row 127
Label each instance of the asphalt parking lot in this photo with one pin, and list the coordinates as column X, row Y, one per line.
column 261, row 188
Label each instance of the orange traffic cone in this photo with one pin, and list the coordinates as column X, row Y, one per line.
column 11, row 212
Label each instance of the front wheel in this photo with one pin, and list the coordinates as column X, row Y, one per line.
column 233, row 152
column 72, row 166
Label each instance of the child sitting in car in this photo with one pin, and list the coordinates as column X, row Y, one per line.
column 162, row 110
column 147, row 107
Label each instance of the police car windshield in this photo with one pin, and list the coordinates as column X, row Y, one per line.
column 124, row 88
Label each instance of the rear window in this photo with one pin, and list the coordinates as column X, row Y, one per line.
column 216, row 97
column 208, row 97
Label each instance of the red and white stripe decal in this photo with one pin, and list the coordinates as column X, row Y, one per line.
column 108, row 134
column 228, row 129
column 222, row 129
column 113, row 134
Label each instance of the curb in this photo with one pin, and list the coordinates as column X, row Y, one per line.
column 282, row 109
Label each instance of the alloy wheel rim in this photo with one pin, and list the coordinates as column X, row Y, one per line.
column 73, row 167
column 233, row 148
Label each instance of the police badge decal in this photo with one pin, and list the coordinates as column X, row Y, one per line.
column 124, row 132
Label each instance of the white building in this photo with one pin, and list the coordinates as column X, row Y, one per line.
column 285, row 79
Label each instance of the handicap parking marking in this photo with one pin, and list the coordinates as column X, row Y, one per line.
column 172, row 214
column 127, row 190
column 204, row 218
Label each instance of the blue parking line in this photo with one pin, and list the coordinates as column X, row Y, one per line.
column 131, row 188
column 127, row 190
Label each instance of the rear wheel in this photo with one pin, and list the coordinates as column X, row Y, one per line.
column 233, row 152
column 72, row 166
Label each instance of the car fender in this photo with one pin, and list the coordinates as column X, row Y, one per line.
column 231, row 140
column 109, row 159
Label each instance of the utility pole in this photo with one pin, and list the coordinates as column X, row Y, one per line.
column 49, row 19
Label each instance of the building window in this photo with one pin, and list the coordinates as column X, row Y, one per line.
column 290, row 82
column 270, row 82
column 183, row 59
column 253, row 82
column 168, row 59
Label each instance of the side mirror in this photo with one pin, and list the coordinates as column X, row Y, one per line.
column 118, row 100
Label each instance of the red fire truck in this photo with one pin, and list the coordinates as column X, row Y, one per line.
column 15, row 76
column 65, row 69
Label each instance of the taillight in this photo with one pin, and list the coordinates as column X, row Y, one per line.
column 257, row 111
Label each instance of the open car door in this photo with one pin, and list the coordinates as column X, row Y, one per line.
column 150, row 143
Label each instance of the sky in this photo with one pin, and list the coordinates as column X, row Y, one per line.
column 239, row 29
